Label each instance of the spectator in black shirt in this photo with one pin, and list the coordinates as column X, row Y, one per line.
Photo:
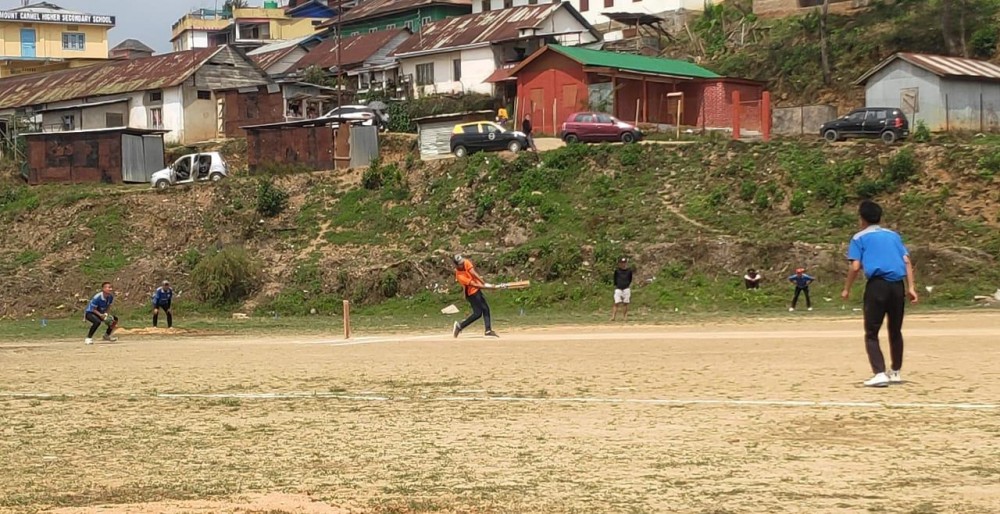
column 623, row 289
column 526, row 128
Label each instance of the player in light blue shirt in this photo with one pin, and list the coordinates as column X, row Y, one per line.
column 98, row 312
column 880, row 253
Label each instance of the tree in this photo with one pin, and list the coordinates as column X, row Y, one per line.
column 234, row 4
column 824, row 42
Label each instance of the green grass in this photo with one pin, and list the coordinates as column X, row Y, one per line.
column 110, row 235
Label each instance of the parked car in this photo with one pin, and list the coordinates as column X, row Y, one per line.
column 485, row 136
column 886, row 123
column 195, row 167
column 364, row 114
column 596, row 126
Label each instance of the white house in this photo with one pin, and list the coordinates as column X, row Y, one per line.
column 464, row 53
column 594, row 11
column 178, row 93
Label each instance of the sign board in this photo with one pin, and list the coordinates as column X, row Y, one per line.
column 71, row 19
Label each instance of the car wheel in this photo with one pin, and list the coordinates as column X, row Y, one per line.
column 215, row 177
column 460, row 151
column 628, row 137
column 831, row 136
column 888, row 137
column 162, row 185
column 514, row 146
column 571, row 138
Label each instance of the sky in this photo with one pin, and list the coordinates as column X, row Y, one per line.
column 148, row 21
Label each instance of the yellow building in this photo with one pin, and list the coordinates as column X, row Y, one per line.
column 248, row 28
column 45, row 37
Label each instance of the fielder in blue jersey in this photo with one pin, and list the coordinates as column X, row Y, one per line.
column 883, row 257
column 801, row 281
column 162, row 299
column 98, row 312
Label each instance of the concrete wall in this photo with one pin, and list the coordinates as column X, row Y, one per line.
column 884, row 89
column 48, row 40
column 801, row 121
column 201, row 117
column 477, row 65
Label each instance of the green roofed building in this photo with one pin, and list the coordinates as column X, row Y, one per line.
column 557, row 81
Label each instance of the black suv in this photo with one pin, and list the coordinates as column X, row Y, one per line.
column 885, row 123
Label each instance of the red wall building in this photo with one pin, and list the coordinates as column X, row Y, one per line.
column 552, row 85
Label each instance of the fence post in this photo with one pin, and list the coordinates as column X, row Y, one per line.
column 765, row 113
column 736, row 114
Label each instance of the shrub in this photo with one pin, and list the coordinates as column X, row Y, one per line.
column 989, row 164
column 388, row 284
column 748, row 189
column 901, row 167
column 271, row 199
column 226, row 276
column 797, row 205
column 922, row 134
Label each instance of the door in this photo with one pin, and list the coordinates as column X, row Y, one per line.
column 493, row 137
column 133, row 159
column 28, row 43
column 853, row 123
column 875, row 122
column 182, row 169
column 606, row 127
column 220, row 109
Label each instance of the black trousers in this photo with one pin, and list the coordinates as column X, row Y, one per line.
column 480, row 309
column 95, row 323
column 795, row 299
column 884, row 299
column 164, row 308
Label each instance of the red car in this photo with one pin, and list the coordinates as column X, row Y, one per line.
column 597, row 126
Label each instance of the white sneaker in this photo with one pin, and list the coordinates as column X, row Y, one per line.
column 88, row 341
column 457, row 329
column 791, row 309
column 879, row 380
column 894, row 377
column 810, row 309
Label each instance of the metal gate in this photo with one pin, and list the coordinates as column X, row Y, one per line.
column 364, row 145
column 435, row 138
column 141, row 157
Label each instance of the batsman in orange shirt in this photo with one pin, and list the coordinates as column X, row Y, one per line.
column 465, row 273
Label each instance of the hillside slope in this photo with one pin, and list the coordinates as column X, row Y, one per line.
column 693, row 219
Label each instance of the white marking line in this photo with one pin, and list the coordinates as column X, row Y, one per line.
column 568, row 400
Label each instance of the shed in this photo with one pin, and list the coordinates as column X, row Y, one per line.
column 434, row 132
column 946, row 93
column 557, row 81
column 318, row 144
column 111, row 155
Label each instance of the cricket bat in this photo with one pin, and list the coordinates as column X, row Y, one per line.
column 522, row 284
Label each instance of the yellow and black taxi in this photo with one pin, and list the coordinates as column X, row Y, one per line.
column 485, row 136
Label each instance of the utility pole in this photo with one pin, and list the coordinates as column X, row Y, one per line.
column 340, row 71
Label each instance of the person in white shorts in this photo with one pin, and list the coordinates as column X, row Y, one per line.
column 623, row 289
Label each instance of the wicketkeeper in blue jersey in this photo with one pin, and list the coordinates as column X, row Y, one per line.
column 98, row 312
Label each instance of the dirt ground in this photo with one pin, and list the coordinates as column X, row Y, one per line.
column 760, row 416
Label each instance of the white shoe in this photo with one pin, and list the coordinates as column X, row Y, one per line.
column 879, row 380
column 110, row 339
column 810, row 309
column 894, row 377
column 791, row 309
column 457, row 329
column 88, row 341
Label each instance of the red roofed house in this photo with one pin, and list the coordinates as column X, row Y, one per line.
column 461, row 54
column 363, row 58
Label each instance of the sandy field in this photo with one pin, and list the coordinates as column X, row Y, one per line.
column 761, row 416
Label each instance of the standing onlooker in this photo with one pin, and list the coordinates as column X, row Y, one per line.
column 886, row 263
column 527, row 128
column 623, row 289
column 801, row 281
column 752, row 279
column 98, row 312
column 162, row 298
column 502, row 116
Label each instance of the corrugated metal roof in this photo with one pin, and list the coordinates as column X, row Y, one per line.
column 268, row 59
column 376, row 8
column 479, row 28
column 942, row 66
column 45, row 8
column 116, row 77
column 133, row 44
column 354, row 50
column 280, row 45
column 632, row 62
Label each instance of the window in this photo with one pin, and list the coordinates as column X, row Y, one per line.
column 507, row 4
column 584, row 5
column 114, row 119
column 155, row 96
column 881, row 115
column 425, row 20
column 532, row 2
column 390, row 26
column 425, row 74
column 373, row 30
column 604, row 118
column 486, row 5
column 584, row 118
column 252, row 110
column 156, row 118
column 408, row 24
column 74, row 41
column 354, row 33
column 470, row 129
column 69, row 122
column 456, row 69
column 204, row 95
column 609, row 3
column 856, row 116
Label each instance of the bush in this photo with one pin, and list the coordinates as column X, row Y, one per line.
column 922, row 134
column 388, row 284
column 797, row 205
column 901, row 167
column 748, row 189
column 989, row 164
column 271, row 199
column 226, row 276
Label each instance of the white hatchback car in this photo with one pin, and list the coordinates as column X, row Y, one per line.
column 195, row 167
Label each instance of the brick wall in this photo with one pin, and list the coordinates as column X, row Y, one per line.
column 258, row 108
column 75, row 157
